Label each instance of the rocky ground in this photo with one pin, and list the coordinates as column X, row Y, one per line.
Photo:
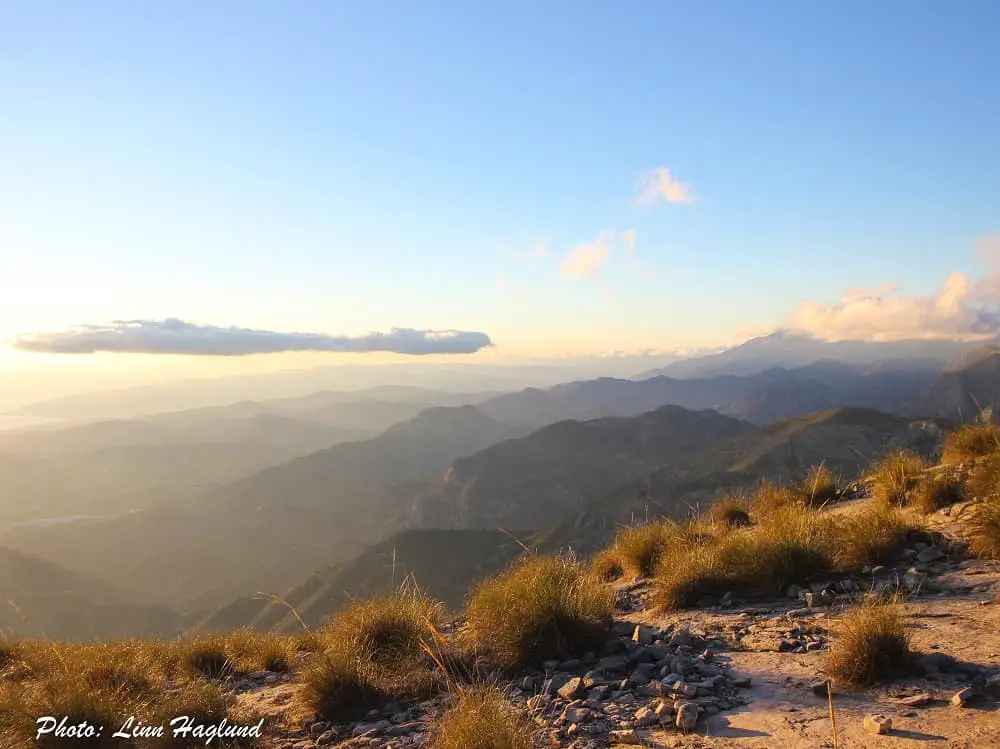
column 739, row 673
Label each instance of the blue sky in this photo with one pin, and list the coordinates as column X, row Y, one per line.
column 335, row 167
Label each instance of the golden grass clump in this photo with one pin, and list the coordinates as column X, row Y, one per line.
column 482, row 719
column 378, row 649
column 984, row 479
column 689, row 574
column 340, row 686
column 870, row 644
column 207, row 656
column 637, row 548
column 984, row 528
column 391, row 632
column 934, row 492
column 894, row 476
column 872, row 535
column 770, row 497
column 790, row 544
column 819, row 486
column 102, row 683
column 73, row 698
column 727, row 512
column 605, row 565
column 969, row 441
column 540, row 607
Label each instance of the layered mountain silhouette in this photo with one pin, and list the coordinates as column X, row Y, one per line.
column 194, row 511
column 43, row 599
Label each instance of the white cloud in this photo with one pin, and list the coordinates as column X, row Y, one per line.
column 659, row 184
column 960, row 308
column 178, row 337
column 587, row 259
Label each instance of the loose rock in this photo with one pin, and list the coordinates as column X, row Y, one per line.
column 878, row 724
column 687, row 717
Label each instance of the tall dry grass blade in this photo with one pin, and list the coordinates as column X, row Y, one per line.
column 833, row 714
column 286, row 604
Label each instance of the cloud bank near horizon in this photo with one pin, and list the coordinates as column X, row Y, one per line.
column 960, row 308
column 174, row 336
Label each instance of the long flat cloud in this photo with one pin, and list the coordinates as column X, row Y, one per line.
column 179, row 337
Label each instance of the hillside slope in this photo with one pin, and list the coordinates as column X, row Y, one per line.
column 444, row 563
column 537, row 480
column 44, row 599
column 265, row 531
column 973, row 385
column 846, row 440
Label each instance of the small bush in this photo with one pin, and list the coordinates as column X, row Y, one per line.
column 871, row 644
column 984, row 528
column 872, row 535
column 728, row 512
column 819, row 486
column 894, row 476
column 969, row 441
column 539, row 608
column 933, row 493
column 483, row 719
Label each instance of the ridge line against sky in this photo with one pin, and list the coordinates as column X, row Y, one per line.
column 707, row 172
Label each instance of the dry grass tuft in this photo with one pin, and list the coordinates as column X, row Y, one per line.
column 376, row 650
column 969, row 441
column 819, row 486
column 605, row 565
column 103, row 683
column 770, row 497
column 872, row 535
column 729, row 512
column 871, row 644
column 933, row 493
column 483, row 719
column 391, row 632
column 341, row 687
column 539, row 608
column 790, row 544
column 689, row 574
column 984, row 479
column 984, row 528
column 207, row 656
column 894, row 476
column 21, row 706
column 637, row 549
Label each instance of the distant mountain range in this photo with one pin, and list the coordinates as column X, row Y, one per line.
column 791, row 350
column 43, row 599
column 197, row 510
